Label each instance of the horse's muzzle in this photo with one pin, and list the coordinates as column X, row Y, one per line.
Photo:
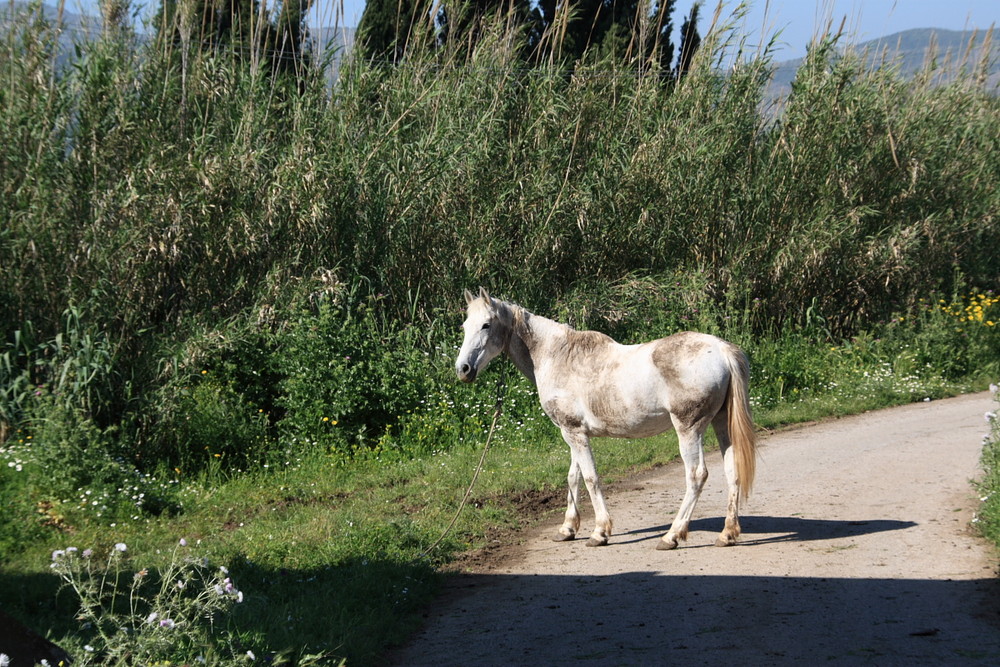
column 466, row 373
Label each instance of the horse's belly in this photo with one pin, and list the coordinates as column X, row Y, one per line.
column 631, row 426
column 624, row 414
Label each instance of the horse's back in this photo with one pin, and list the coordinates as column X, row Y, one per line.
column 695, row 370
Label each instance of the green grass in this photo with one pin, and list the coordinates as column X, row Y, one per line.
column 330, row 557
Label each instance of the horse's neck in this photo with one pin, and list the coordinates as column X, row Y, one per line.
column 528, row 334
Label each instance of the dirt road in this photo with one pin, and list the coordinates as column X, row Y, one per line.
column 856, row 550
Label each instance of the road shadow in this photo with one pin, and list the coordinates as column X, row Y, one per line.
column 766, row 529
column 648, row 618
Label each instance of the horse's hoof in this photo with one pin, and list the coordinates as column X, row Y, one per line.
column 597, row 542
column 663, row 545
column 559, row 537
column 724, row 542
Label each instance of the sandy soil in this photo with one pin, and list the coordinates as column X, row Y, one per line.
column 856, row 550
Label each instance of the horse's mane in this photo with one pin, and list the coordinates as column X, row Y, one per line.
column 513, row 316
column 576, row 343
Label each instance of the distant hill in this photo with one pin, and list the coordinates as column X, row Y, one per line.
column 70, row 20
column 909, row 51
column 75, row 27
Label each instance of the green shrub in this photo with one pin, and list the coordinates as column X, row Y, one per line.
column 988, row 516
column 216, row 425
column 349, row 374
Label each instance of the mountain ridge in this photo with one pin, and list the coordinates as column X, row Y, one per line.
column 909, row 50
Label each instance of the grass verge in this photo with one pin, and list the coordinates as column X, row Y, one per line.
column 330, row 558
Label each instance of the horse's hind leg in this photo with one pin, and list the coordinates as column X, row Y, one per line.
column 695, row 474
column 731, row 531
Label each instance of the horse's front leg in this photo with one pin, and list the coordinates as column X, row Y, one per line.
column 583, row 464
column 571, row 523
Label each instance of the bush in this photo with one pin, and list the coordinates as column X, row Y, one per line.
column 349, row 374
column 988, row 516
column 214, row 426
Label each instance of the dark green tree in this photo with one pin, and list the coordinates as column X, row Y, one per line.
column 627, row 30
column 464, row 19
column 619, row 28
column 287, row 38
column 659, row 47
column 388, row 26
column 690, row 40
column 234, row 27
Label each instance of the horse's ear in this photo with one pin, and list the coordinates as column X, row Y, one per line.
column 468, row 297
column 483, row 294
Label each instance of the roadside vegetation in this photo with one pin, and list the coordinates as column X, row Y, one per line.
column 230, row 298
column 987, row 520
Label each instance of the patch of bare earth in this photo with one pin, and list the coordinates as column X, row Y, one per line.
column 856, row 550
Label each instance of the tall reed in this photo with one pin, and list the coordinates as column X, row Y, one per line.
column 179, row 197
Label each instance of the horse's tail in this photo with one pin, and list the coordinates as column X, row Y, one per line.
column 741, row 430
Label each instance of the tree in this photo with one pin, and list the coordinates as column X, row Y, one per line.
column 690, row 41
column 464, row 19
column 659, row 48
column 636, row 31
column 387, row 26
column 287, row 38
column 626, row 29
column 235, row 27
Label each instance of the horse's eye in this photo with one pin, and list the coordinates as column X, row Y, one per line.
column 486, row 325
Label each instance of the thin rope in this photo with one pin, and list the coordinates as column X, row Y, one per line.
column 501, row 385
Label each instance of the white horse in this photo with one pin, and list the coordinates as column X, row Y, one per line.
column 591, row 386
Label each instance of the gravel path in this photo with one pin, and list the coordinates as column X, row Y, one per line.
column 856, row 550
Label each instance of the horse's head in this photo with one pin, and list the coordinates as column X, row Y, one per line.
column 486, row 334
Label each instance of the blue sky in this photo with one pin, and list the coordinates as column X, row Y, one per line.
column 797, row 19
